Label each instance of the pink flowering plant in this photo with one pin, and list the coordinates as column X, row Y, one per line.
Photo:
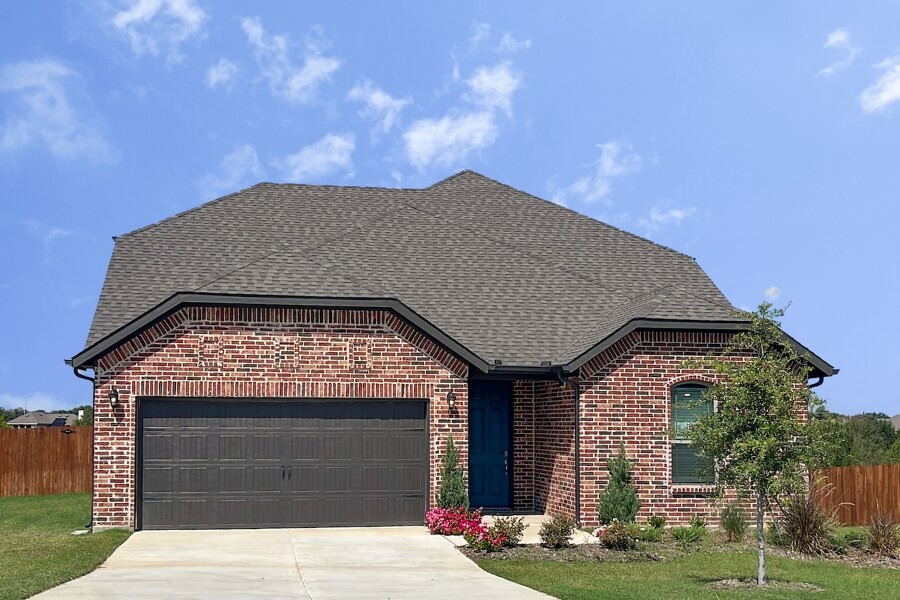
column 459, row 521
column 484, row 539
column 451, row 521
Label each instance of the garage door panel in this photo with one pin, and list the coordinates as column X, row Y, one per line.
column 158, row 479
column 233, row 446
column 305, row 447
column 210, row 464
column 266, row 447
column 192, row 447
column 306, row 479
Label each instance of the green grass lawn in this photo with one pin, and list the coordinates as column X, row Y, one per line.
column 36, row 550
column 687, row 577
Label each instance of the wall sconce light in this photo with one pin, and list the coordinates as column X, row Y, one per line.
column 451, row 400
column 113, row 397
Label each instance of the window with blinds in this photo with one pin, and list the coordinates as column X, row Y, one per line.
column 688, row 405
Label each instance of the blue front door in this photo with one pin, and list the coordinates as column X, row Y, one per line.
column 490, row 460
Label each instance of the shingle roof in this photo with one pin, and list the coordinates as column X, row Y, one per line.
column 39, row 417
column 508, row 275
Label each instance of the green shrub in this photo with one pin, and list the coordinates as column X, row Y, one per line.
column 697, row 522
column 734, row 523
column 884, row 536
column 619, row 536
column 687, row 536
column 657, row 521
column 846, row 538
column 555, row 532
column 619, row 502
column 805, row 526
column 512, row 529
column 651, row 534
column 452, row 493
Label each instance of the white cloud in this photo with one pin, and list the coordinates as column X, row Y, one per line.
column 293, row 82
column 221, row 73
column 233, row 174
column 616, row 160
column 661, row 216
column 330, row 154
column 493, row 87
column 772, row 292
column 510, row 44
column 160, row 26
column 886, row 90
column 80, row 300
column 839, row 39
column 34, row 401
column 380, row 106
column 480, row 33
column 41, row 113
column 449, row 140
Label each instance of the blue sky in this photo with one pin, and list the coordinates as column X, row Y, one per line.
column 760, row 138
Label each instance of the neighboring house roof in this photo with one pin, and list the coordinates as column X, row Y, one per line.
column 40, row 417
column 895, row 421
column 509, row 277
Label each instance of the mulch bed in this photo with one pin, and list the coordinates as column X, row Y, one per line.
column 660, row 552
column 582, row 553
column 750, row 584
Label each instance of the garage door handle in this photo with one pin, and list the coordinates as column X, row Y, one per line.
column 282, row 471
column 289, row 472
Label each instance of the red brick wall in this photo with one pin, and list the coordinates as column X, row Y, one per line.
column 554, row 447
column 523, row 445
column 267, row 353
column 626, row 399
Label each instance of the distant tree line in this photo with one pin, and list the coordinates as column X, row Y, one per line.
column 864, row 439
column 8, row 414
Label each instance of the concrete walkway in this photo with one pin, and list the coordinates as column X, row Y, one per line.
column 314, row 564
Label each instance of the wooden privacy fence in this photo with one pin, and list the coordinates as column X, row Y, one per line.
column 857, row 494
column 45, row 461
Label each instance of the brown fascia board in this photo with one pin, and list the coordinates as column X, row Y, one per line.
column 821, row 368
column 85, row 358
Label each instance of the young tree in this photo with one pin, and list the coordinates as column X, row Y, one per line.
column 619, row 502
column 452, row 493
column 756, row 438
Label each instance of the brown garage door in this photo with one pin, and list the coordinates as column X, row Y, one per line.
column 230, row 464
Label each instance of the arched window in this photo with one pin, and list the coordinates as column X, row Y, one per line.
column 688, row 405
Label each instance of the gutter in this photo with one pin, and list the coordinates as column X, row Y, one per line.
column 576, row 385
column 93, row 380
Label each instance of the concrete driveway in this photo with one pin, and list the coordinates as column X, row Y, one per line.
column 318, row 564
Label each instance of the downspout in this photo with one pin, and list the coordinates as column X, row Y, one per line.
column 576, row 385
column 821, row 380
column 93, row 381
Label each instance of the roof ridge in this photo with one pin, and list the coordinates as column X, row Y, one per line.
column 301, row 252
column 282, row 184
column 695, row 296
column 518, row 249
column 185, row 212
column 636, row 300
column 571, row 210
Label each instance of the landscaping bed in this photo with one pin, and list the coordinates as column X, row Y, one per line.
column 37, row 550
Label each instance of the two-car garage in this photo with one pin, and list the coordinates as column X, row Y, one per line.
column 288, row 463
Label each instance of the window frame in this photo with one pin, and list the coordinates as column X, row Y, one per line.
column 699, row 481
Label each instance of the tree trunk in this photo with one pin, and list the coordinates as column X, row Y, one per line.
column 761, row 539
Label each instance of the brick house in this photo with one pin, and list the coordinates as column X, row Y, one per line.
column 296, row 355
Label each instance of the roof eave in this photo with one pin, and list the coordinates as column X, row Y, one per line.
column 821, row 368
column 86, row 358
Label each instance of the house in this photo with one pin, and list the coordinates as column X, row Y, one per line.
column 39, row 418
column 298, row 355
